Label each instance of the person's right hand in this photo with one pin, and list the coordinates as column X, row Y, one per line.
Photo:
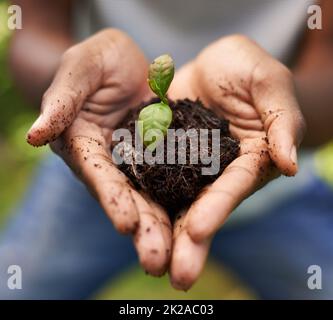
column 97, row 82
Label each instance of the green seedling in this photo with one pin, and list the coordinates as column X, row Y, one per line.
column 155, row 119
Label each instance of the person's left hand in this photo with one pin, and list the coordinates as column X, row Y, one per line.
column 244, row 84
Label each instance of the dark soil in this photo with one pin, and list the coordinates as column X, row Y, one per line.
column 175, row 186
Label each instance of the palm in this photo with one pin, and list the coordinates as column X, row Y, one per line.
column 230, row 98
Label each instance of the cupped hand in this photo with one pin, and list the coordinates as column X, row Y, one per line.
column 244, row 84
column 97, row 82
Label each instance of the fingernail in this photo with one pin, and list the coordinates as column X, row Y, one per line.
column 293, row 155
column 37, row 123
column 33, row 133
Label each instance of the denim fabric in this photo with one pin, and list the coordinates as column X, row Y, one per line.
column 67, row 248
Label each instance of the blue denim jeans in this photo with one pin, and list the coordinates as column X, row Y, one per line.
column 67, row 248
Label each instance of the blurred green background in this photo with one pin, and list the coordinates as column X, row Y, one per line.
column 17, row 163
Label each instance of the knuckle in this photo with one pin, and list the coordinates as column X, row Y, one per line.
column 270, row 70
column 197, row 232
column 125, row 226
column 72, row 53
column 45, row 98
column 114, row 39
column 261, row 75
column 237, row 37
column 112, row 32
column 283, row 71
column 301, row 126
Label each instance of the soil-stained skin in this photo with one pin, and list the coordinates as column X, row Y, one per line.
column 175, row 186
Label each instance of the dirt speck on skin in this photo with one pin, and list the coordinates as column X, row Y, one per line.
column 175, row 186
column 265, row 139
column 113, row 201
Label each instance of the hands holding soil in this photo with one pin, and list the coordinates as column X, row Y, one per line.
column 101, row 78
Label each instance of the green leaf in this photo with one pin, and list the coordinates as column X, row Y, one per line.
column 154, row 121
column 160, row 75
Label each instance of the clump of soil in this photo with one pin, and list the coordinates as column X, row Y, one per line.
column 175, row 186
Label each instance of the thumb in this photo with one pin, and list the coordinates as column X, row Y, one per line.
column 78, row 76
column 275, row 99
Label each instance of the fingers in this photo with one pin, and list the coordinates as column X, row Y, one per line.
column 83, row 148
column 241, row 178
column 153, row 236
column 275, row 99
column 188, row 257
column 182, row 85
